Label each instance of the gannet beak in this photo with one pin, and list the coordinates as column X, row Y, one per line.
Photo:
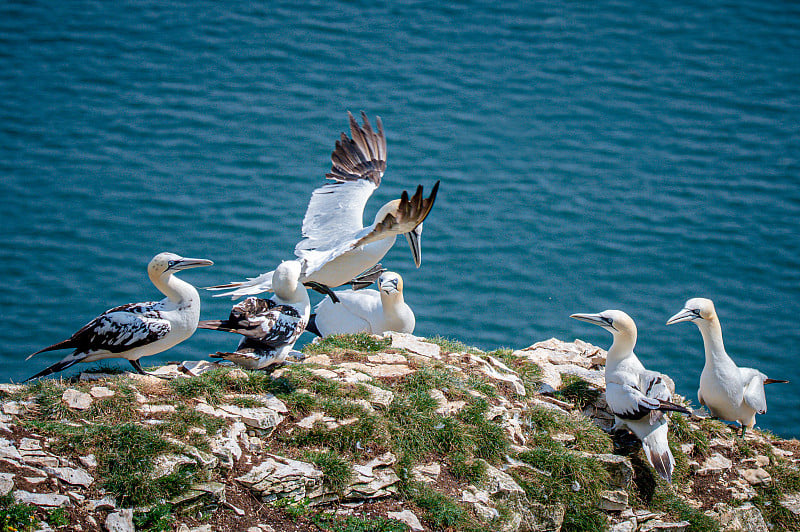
column 186, row 263
column 389, row 286
column 684, row 315
column 597, row 319
column 414, row 236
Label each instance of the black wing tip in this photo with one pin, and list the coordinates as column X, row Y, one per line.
column 662, row 463
column 312, row 325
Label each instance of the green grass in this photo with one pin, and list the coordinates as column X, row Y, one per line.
column 439, row 509
column 333, row 523
column 159, row 518
column 349, row 342
column 566, row 472
column 577, row 391
column 465, row 468
column 665, row 500
column 57, row 517
column 16, row 517
column 785, row 479
column 451, row 346
column 337, row 472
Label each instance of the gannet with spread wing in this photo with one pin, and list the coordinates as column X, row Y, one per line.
column 337, row 247
column 637, row 397
column 269, row 327
column 138, row 329
column 728, row 391
column 368, row 311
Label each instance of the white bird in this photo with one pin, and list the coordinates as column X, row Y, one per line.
column 337, row 247
column 728, row 391
column 136, row 330
column 269, row 327
column 368, row 311
column 637, row 397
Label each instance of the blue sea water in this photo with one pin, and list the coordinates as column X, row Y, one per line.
column 609, row 154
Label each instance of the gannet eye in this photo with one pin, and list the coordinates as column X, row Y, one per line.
column 171, row 263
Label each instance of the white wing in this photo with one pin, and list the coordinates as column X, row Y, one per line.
column 355, row 312
column 628, row 402
column 754, row 396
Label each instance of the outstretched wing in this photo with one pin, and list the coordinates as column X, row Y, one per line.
column 650, row 397
column 336, row 210
column 754, row 396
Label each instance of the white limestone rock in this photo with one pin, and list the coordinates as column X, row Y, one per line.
column 121, row 521
column 50, row 500
column 427, row 472
column 76, row 399
column 414, row 344
column 101, row 392
column 6, row 483
column 407, row 517
column 715, row 463
column 374, row 479
column 277, row 477
column 379, row 396
column 72, row 476
column 613, row 500
column 791, row 501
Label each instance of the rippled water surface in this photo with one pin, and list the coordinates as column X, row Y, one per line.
column 609, row 155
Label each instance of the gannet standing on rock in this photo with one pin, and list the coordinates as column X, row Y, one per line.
column 368, row 311
column 728, row 391
column 136, row 330
column 269, row 327
column 337, row 247
column 637, row 397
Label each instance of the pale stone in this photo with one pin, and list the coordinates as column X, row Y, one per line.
column 11, row 389
column 687, row 448
column 407, row 517
column 51, row 500
column 791, row 501
column 324, row 373
column 351, row 376
column 500, row 482
column 106, row 503
column 322, row 360
column 427, row 473
column 762, row 461
column 149, row 409
column 714, row 464
column 613, row 500
column 656, row 525
column 278, row 477
column 373, row 479
column 259, row 417
column 755, row 476
column 411, row 343
column 121, row 521
column 745, row 518
column 72, row 476
column 225, row 445
column 35, row 480
column 43, row 460
column 619, row 468
column 100, row 392
column 165, row 464
column 13, row 408
column 28, row 444
column 387, row 358
column 88, row 461
column 379, row 370
column 6, row 483
column 196, row 368
column 76, row 399
column 308, row 421
column 624, row 526
column 379, row 396
column 91, row 377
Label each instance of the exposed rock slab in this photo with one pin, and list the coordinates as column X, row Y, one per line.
column 76, row 399
column 407, row 517
column 50, row 500
column 277, row 477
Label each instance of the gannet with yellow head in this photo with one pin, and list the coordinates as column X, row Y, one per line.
column 370, row 311
column 337, row 247
column 637, row 397
column 136, row 330
column 728, row 391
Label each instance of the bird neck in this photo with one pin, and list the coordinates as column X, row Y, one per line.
column 621, row 348
column 175, row 289
column 391, row 302
column 711, row 330
column 289, row 297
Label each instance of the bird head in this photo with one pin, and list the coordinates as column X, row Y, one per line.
column 614, row 321
column 286, row 278
column 390, row 283
column 698, row 308
column 168, row 263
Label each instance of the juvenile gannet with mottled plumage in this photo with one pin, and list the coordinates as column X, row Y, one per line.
column 337, row 247
column 269, row 327
column 368, row 311
column 136, row 330
column 637, row 397
column 728, row 391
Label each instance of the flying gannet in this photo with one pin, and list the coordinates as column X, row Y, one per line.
column 269, row 327
column 637, row 397
column 336, row 246
column 368, row 311
column 136, row 330
column 728, row 391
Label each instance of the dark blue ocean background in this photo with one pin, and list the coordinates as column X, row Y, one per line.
column 609, row 154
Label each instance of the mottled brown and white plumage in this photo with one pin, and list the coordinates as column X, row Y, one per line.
column 269, row 327
column 136, row 330
column 336, row 246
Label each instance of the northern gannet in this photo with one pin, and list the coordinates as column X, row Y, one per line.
column 336, row 246
column 728, row 391
column 637, row 397
column 136, row 330
column 269, row 327
column 368, row 311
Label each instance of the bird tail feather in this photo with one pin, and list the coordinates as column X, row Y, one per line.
column 656, row 448
column 312, row 325
column 58, row 366
column 66, row 344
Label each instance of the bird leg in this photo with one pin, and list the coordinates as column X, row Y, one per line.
column 322, row 289
column 137, row 367
column 368, row 277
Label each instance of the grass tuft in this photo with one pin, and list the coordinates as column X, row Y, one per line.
column 577, row 391
column 13, row 516
column 337, row 472
column 348, row 342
